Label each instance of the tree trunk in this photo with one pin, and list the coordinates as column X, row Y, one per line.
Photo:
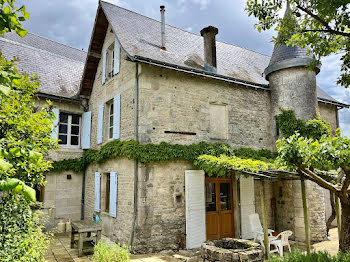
column 333, row 215
column 344, row 242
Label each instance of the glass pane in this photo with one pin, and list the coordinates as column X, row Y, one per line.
column 62, row 129
column 111, row 109
column 63, row 118
column 74, row 140
column 75, row 130
column 111, row 133
column 75, row 119
column 111, row 121
column 210, row 197
column 225, row 196
column 63, row 139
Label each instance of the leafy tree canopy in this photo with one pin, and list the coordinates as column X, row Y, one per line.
column 11, row 17
column 321, row 25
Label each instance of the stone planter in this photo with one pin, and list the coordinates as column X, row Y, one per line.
column 230, row 250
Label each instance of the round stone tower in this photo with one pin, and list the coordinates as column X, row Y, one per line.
column 292, row 86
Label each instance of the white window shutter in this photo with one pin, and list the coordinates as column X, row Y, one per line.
column 97, row 191
column 116, row 117
column 100, row 124
column 54, row 133
column 247, row 198
column 86, row 130
column 104, row 54
column 113, row 192
column 116, row 65
column 195, row 208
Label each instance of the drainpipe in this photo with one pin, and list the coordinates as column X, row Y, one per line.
column 136, row 164
column 86, row 108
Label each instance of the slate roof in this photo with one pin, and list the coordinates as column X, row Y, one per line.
column 59, row 67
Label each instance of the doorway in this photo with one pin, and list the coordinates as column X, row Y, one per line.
column 219, row 207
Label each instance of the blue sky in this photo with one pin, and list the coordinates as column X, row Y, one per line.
column 71, row 22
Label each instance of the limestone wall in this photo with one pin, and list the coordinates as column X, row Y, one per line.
column 175, row 101
column 122, row 83
column 329, row 113
column 118, row 229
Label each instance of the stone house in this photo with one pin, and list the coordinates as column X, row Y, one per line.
column 152, row 82
column 59, row 69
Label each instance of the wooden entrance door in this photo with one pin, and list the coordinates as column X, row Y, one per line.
column 219, row 208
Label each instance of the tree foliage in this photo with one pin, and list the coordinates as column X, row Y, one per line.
column 321, row 25
column 25, row 130
column 11, row 17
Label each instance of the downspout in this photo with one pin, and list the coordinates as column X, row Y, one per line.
column 136, row 164
column 86, row 108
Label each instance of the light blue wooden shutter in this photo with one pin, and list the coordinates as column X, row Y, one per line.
column 86, row 130
column 104, row 54
column 116, row 117
column 116, row 65
column 100, row 124
column 97, row 191
column 113, row 192
column 54, row 133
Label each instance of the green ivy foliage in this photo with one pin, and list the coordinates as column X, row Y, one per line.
column 158, row 153
column 288, row 123
column 144, row 153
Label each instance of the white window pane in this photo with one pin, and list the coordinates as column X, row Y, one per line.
column 75, row 130
column 63, row 139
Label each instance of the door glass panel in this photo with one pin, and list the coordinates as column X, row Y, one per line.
column 225, row 196
column 210, row 197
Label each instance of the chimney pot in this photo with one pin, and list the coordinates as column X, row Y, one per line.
column 209, row 35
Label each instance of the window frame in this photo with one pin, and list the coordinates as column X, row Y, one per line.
column 109, row 62
column 69, row 130
column 110, row 120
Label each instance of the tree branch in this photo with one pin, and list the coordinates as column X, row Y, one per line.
column 318, row 180
column 323, row 22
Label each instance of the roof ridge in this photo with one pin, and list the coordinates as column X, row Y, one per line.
column 43, row 37
column 38, row 49
column 181, row 28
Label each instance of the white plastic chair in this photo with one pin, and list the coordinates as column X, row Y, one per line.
column 258, row 232
column 281, row 240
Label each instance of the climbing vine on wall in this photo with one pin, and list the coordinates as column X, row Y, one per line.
column 157, row 153
column 314, row 128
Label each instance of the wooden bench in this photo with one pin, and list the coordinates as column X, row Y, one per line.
column 86, row 231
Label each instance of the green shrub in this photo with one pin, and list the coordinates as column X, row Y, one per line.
column 21, row 236
column 111, row 253
column 299, row 256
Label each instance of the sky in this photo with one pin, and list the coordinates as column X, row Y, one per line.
column 71, row 22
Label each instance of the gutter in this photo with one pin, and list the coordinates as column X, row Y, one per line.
column 341, row 105
column 136, row 138
column 198, row 72
column 60, row 98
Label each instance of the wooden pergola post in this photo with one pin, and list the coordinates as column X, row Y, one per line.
column 338, row 215
column 306, row 217
column 263, row 210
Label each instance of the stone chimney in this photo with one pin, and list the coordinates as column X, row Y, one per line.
column 209, row 34
column 162, row 15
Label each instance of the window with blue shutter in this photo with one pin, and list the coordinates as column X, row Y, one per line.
column 97, row 191
column 116, row 59
column 86, row 130
column 116, row 117
column 104, row 54
column 100, row 124
column 54, row 133
column 113, row 192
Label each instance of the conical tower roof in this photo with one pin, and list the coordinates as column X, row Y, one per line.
column 288, row 56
